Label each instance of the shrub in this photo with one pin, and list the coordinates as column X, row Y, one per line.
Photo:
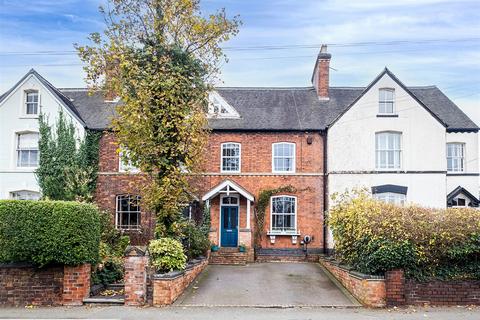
column 48, row 232
column 374, row 237
column 111, row 252
column 196, row 243
column 167, row 255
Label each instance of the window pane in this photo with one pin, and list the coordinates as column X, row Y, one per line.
column 388, row 150
column 283, row 157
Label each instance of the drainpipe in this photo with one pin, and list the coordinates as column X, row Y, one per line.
column 325, row 193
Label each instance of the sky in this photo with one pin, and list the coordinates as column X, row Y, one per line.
column 423, row 42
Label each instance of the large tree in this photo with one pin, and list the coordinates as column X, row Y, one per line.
column 160, row 57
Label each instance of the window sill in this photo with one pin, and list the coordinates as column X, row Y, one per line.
column 387, row 115
column 29, row 117
column 279, row 233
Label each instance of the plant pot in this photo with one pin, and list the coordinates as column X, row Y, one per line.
column 214, row 248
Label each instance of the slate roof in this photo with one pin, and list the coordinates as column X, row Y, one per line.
column 94, row 110
column 265, row 109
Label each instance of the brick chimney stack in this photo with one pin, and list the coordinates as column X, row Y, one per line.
column 321, row 74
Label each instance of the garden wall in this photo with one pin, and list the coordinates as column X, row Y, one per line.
column 23, row 284
column 369, row 290
column 169, row 286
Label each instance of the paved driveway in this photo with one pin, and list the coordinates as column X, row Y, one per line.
column 265, row 284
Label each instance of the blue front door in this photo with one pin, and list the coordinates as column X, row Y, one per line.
column 229, row 223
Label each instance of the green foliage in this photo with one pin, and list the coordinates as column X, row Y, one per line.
column 111, row 252
column 196, row 242
column 48, row 232
column 262, row 203
column 159, row 57
column 65, row 172
column 374, row 237
column 206, row 221
column 167, row 255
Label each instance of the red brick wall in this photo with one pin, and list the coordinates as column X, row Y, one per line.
column 111, row 183
column 167, row 290
column 135, row 279
column 256, row 167
column 395, row 287
column 443, row 293
column 22, row 285
column 370, row 292
column 76, row 284
column 256, row 175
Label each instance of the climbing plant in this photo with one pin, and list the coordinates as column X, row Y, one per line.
column 68, row 166
column 261, row 206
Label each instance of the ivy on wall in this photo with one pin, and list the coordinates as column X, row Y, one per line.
column 67, row 167
column 261, row 206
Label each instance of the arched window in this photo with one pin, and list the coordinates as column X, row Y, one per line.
column 128, row 212
column 283, row 214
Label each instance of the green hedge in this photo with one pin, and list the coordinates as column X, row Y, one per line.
column 374, row 237
column 49, row 232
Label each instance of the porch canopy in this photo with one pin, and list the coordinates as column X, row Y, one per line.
column 229, row 187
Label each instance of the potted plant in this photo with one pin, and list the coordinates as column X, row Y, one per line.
column 242, row 247
column 214, row 248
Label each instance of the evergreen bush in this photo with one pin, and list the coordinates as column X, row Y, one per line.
column 49, row 232
column 167, row 255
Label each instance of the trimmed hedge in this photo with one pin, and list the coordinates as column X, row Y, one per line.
column 49, row 232
column 374, row 237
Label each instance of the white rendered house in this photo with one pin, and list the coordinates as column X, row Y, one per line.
column 19, row 110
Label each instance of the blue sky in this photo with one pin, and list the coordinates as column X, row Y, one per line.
column 452, row 63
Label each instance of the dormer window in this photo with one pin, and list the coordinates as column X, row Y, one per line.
column 31, row 102
column 386, row 103
column 219, row 108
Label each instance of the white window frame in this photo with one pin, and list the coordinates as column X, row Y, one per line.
column 18, row 150
column 386, row 101
column 294, row 162
column 461, row 158
column 122, row 166
column 239, row 157
column 29, row 193
column 117, row 212
column 396, row 166
column 391, row 197
column 25, row 103
column 294, row 231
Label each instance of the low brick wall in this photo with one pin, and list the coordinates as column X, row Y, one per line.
column 169, row 286
column 369, row 290
column 287, row 255
column 24, row 284
column 443, row 293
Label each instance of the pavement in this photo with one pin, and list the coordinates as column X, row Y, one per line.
column 253, row 313
column 268, row 285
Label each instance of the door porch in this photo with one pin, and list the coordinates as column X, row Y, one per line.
column 230, row 208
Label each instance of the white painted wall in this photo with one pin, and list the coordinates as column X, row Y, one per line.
column 351, row 147
column 14, row 120
column 469, row 182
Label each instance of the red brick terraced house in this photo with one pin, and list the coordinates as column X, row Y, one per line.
column 406, row 144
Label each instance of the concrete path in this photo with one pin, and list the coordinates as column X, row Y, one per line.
column 265, row 284
column 200, row 313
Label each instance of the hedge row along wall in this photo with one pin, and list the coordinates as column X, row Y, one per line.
column 48, row 232
column 374, row 237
